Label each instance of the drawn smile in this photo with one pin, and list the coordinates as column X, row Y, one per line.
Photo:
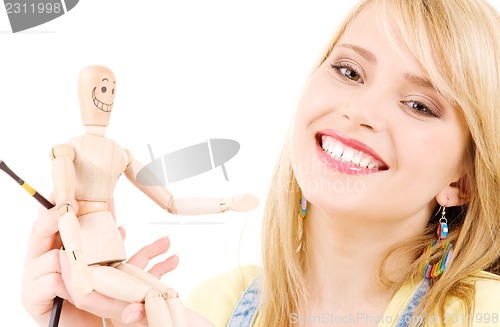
column 99, row 104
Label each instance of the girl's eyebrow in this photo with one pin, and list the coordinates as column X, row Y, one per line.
column 368, row 55
column 371, row 58
column 420, row 81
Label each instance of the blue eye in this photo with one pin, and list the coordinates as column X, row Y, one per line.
column 347, row 71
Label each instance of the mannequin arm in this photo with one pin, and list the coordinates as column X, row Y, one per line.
column 63, row 177
column 188, row 206
column 63, row 174
column 158, row 194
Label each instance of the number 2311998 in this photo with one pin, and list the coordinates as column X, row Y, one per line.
column 33, row 8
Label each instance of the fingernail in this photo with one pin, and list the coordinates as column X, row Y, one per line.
column 162, row 238
column 133, row 317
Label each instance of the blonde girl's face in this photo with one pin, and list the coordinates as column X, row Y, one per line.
column 372, row 136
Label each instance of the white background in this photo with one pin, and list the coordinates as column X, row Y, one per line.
column 186, row 71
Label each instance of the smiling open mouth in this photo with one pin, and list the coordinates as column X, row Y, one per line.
column 99, row 104
column 349, row 154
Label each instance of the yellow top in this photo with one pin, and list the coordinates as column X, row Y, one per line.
column 217, row 297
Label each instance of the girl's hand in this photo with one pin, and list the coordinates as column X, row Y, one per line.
column 120, row 312
column 130, row 314
column 42, row 280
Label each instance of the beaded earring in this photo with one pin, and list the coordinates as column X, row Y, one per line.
column 434, row 270
column 301, row 216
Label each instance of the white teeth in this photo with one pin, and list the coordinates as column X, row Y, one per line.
column 347, row 155
column 325, row 140
column 356, row 159
column 339, row 151
column 365, row 162
column 328, row 142
column 329, row 147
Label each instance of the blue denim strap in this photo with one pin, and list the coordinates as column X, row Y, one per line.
column 245, row 312
column 407, row 316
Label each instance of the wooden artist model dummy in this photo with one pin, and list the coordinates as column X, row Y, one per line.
column 85, row 171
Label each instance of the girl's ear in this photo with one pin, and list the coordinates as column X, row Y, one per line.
column 455, row 194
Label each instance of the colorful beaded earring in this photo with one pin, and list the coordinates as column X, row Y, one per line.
column 434, row 270
column 302, row 215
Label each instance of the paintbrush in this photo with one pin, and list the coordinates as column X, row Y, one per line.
column 57, row 306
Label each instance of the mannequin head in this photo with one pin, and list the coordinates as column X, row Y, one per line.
column 96, row 90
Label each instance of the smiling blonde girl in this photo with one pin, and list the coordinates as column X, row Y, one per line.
column 384, row 207
column 429, row 106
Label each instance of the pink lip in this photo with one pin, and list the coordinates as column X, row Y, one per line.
column 343, row 167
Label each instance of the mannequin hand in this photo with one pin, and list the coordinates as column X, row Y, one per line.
column 242, row 202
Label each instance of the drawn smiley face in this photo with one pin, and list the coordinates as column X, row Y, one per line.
column 103, row 95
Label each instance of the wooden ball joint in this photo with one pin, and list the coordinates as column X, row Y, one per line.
column 85, row 171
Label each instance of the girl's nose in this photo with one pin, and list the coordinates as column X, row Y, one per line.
column 366, row 111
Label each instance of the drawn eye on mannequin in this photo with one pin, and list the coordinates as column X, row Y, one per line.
column 104, row 101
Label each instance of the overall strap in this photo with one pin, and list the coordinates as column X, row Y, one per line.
column 407, row 316
column 246, row 310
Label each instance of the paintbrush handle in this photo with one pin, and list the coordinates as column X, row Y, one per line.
column 43, row 201
column 57, row 305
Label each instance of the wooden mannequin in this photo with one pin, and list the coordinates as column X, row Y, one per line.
column 85, row 171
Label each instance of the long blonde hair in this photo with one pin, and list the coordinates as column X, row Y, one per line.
column 456, row 43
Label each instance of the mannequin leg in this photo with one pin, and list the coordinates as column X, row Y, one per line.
column 170, row 296
column 122, row 286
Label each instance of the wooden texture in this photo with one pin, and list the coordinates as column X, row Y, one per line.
column 85, row 172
